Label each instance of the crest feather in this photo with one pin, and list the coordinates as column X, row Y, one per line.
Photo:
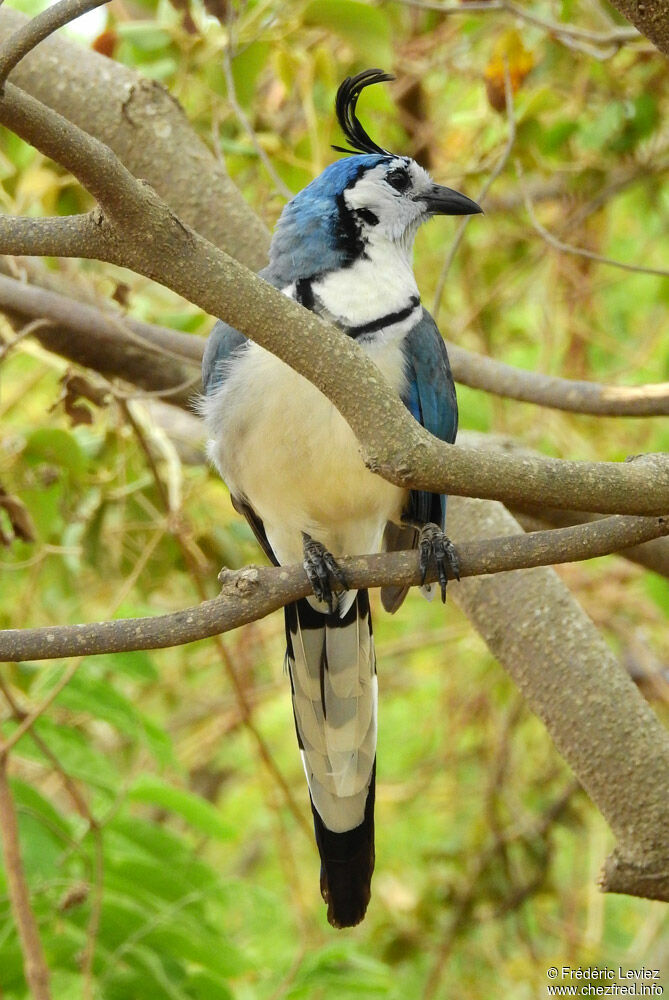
column 345, row 103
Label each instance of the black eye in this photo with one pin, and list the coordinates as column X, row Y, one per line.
column 398, row 179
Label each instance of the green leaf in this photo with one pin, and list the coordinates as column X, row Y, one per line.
column 136, row 664
column 99, row 699
column 192, row 942
column 246, row 67
column 143, row 878
column 145, row 36
column 74, row 752
column 159, row 743
column 29, row 800
column 56, row 447
column 203, row 985
column 197, row 812
column 41, row 846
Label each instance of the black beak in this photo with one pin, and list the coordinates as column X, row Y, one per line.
column 444, row 201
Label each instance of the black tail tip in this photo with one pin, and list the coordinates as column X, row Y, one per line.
column 346, row 888
column 347, row 865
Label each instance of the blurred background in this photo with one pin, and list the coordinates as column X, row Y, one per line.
column 164, row 823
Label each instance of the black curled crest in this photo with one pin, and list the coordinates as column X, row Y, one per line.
column 345, row 103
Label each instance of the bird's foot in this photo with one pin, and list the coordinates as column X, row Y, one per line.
column 434, row 544
column 320, row 565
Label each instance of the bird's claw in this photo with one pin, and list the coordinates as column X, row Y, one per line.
column 434, row 544
column 320, row 565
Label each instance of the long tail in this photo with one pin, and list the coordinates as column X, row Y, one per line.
column 333, row 680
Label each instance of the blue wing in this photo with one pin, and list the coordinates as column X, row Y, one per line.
column 430, row 397
column 222, row 344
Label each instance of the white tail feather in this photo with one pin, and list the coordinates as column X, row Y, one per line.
column 335, row 702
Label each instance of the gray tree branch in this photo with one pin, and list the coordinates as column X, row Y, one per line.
column 147, row 129
column 651, row 18
column 30, row 34
column 571, row 679
column 141, row 232
column 255, row 592
column 88, row 324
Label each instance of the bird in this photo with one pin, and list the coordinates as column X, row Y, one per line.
column 343, row 249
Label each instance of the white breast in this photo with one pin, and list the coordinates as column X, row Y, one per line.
column 281, row 444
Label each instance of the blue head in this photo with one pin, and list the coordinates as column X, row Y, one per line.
column 371, row 196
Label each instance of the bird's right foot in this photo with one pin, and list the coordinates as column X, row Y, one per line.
column 320, row 565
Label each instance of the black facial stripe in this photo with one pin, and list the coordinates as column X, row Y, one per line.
column 304, row 293
column 348, row 229
column 348, row 232
column 368, row 216
column 388, row 320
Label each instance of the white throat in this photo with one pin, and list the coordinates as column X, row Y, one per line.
column 379, row 283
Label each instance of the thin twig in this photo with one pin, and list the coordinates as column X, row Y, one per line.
column 26, row 331
column 499, row 167
column 281, row 188
column 93, row 929
column 614, row 37
column 32, row 717
column 558, row 244
column 34, row 962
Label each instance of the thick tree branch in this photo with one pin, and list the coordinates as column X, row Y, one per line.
column 92, row 162
column 31, row 301
column 571, row 679
column 54, row 236
column 33, row 32
column 145, row 235
column 493, row 376
column 254, row 592
column 148, row 130
column 149, row 357
column 653, row 555
column 651, row 18
column 86, row 324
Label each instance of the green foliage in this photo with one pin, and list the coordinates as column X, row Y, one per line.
column 162, row 857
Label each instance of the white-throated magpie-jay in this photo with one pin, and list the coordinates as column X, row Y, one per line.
column 343, row 248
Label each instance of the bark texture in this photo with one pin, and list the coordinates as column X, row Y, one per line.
column 650, row 17
column 594, row 713
column 148, row 130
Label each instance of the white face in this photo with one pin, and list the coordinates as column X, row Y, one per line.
column 392, row 193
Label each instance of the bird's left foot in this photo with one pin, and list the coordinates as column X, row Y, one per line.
column 320, row 565
column 434, row 544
